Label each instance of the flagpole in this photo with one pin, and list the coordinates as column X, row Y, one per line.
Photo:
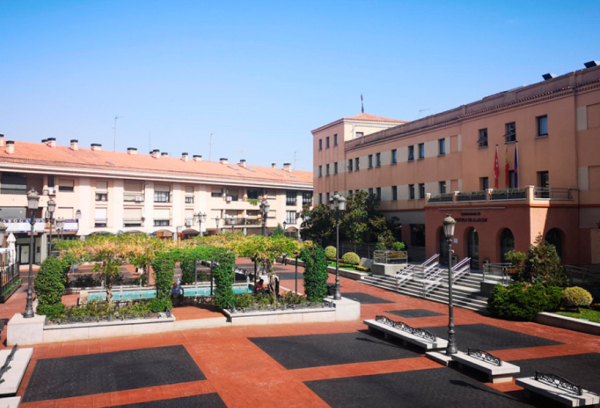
column 517, row 165
column 496, row 170
column 506, row 167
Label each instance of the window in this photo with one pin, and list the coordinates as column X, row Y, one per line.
column 233, row 197
column 162, row 196
column 411, row 153
column 101, row 191
column 349, row 193
column 13, row 184
column 511, row 179
column 100, row 218
column 370, row 193
column 320, row 144
column 290, row 217
column 327, row 197
column 290, row 197
column 66, row 186
column 370, row 161
column 543, row 179
column 327, row 142
column 484, row 183
column 394, row 156
column 511, row 132
column 411, row 191
column 162, row 217
column 422, row 190
column 350, row 165
column 378, row 193
column 360, row 134
column 132, row 217
column 421, row 150
column 441, row 147
column 378, row 159
column 320, row 171
column 189, row 199
column 189, row 194
column 335, row 168
column 542, row 125
column 394, row 193
column 327, row 169
column 442, row 187
column 101, row 197
column 320, row 198
column 483, row 138
column 255, row 194
column 335, row 140
column 357, row 163
column 307, row 197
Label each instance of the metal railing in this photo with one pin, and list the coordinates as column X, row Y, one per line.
column 9, row 276
column 460, row 269
column 585, row 276
column 390, row 257
column 545, row 193
column 17, row 191
column 440, row 198
column 405, row 275
column 472, row 196
column 509, row 194
column 498, row 269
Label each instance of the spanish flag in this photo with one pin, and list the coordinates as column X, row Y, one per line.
column 507, row 168
column 496, row 169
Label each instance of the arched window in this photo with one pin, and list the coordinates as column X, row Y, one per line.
column 473, row 247
column 507, row 243
column 554, row 237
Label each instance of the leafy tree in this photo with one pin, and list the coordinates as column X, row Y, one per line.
column 543, row 265
column 315, row 273
column 223, row 272
column 164, row 274
column 318, row 224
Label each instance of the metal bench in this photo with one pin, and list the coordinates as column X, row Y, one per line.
column 497, row 370
column 419, row 337
column 559, row 389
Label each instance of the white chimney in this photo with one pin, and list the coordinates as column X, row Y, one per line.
column 1, row 140
column 74, row 144
column 197, row 158
column 223, row 160
column 273, row 165
column 287, row 167
column 164, row 154
column 96, row 147
column 156, row 153
column 132, row 150
column 243, row 162
column 51, row 142
column 184, row 157
column 10, row 146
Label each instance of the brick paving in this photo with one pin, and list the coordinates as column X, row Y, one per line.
column 243, row 375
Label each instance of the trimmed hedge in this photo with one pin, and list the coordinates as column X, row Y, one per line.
column 164, row 274
column 315, row 273
column 576, row 297
column 351, row 258
column 224, row 275
column 330, row 253
column 521, row 301
column 49, row 287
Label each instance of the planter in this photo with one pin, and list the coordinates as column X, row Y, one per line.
column 569, row 323
column 5, row 297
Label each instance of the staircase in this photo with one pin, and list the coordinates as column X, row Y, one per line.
column 434, row 286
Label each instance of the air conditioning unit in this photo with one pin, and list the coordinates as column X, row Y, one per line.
column 188, row 223
column 139, row 199
column 228, row 199
column 51, row 191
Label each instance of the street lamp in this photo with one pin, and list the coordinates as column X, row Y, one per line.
column 449, row 224
column 201, row 218
column 217, row 221
column 50, row 219
column 284, row 228
column 60, row 226
column 33, row 203
column 337, row 203
column 264, row 210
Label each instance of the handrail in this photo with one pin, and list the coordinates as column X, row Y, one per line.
column 433, row 281
column 502, row 268
column 461, row 268
column 405, row 275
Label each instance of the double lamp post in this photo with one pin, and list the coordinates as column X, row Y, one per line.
column 449, row 224
column 337, row 203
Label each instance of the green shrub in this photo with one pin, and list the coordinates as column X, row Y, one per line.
column 398, row 246
column 278, row 231
column 244, row 300
column 542, row 265
column 330, row 253
column 292, row 298
column 351, row 258
column 159, row 305
column 53, row 311
column 521, row 301
column 49, row 281
column 381, row 244
column 576, row 297
column 315, row 273
column 224, row 277
column 164, row 273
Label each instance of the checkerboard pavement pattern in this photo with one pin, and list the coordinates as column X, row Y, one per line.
column 243, row 374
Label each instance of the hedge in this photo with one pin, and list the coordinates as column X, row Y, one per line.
column 521, row 301
column 49, row 287
column 315, row 273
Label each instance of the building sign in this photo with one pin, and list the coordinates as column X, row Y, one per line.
column 471, row 216
column 23, row 225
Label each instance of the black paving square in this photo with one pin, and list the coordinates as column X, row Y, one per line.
column 66, row 377
column 414, row 313
column 438, row 387
column 205, row 400
column 330, row 349
column 485, row 337
column 582, row 369
column 290, row 276
column 364, row 298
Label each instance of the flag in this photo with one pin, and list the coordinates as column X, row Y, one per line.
column 362, row 105
column 517, row 165
column 507, row 168
column 496, row 169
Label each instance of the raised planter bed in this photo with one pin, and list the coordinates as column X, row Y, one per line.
column 570, row 323
column 7, row 295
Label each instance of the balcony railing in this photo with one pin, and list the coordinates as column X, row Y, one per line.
column 17, row 191
column 242, row 221
column 509, row 194
column 133, row 197
column 440, row 198
column 472, row 196
column 528, row 194
column 545, row 193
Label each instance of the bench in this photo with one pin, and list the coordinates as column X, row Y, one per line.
column 559, row 389
column 419, row 337
column 14, row 363
column 497, row 370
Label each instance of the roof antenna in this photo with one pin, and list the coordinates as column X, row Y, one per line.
column 362, row 105
column 149, row 140
column 422, row 110
column 115, row 134
column 210, row 145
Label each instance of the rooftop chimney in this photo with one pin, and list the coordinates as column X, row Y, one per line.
column 243, row 162
column 223, row 160
column 184, row 156
column 156, row 153
column 74, row 144
column 273, row 165
column 287, row 167
column 197, row 158
column 548, row 76
column 10, row 146
column 51, row 142
column 132, row 150
column 164, row 154
column 44, row 141
column 96, row 147
column 1, row 140
column 591, row 64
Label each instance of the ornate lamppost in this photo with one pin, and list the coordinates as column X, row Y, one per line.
column 217, row 219
column 201, row 218
column 264, row 210
column 60, row 228
column 50, row 219
column 337, row 203
column 33, row 203
column 449, row 224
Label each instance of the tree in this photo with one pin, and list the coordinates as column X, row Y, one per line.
column 318, row 224
column 278, row 231
column 315, row 272
column 543, row 265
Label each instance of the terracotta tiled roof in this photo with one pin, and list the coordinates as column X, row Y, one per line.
column 39, row 154
column 373, row 118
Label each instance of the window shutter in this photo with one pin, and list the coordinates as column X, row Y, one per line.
column 162, row 214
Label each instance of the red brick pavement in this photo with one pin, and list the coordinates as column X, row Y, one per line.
column 245, row 376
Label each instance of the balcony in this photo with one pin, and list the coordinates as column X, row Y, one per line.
column 133, row 197
column 528, row 194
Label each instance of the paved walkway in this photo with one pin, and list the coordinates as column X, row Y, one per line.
column 246, row 375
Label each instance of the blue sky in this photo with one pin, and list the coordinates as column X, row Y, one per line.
column 262, row 75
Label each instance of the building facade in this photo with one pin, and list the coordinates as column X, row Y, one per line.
column 99, row 192
column 546, row 139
